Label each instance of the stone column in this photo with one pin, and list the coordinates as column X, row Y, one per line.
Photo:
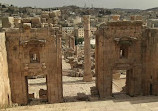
column 87, row 50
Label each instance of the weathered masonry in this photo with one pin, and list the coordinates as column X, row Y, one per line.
column 32, row 52
column 5, row 97
column 127, row 45
column 30, row 47
column 87, row 49
column 150, row 62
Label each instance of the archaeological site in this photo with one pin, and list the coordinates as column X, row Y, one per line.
column 58, row 56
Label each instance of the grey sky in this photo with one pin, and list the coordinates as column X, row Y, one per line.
column 129, row 4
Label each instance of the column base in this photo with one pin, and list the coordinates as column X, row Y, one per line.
column 87, row 78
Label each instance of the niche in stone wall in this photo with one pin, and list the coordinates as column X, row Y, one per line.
column 124, row 48
column 34, row 55
column 123, row 51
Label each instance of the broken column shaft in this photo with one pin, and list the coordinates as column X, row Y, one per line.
column 87, row 50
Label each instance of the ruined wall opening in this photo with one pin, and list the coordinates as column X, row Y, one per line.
column 119, row 81
column 74, row 88
column 34, row 56
column 37, row 89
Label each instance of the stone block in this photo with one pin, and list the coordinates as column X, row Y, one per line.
column 8, row 22
column 31, row 96
column 5, row 93
column 26, row 26
column 26, row 20
column 82, row 97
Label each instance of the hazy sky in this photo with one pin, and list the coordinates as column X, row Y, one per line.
column 129, row 4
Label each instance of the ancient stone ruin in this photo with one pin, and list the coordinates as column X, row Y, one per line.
column 33, row 48
column 127, row 45
column 5, row 93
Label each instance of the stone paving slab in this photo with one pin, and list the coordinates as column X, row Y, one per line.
column 132, row 104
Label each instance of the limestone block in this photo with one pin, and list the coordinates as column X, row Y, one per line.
column 52, row 14
column 94, row 91
column 82, row 96
column 31, row 96
column 26, row 20
column 43, row 94
column 116, row 76
column 115, row 17
column 36, row 21
column 136, row 17
column 55, row 13
column 45, row 15
column 5, row 94
column 44, row 20
column 27, row 26
column 17, row 22
column 7, row 22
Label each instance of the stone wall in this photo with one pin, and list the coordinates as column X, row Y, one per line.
column 45, row 43
column 141, row 62
column 5, row 98
column 150, row 62
column 111, row 39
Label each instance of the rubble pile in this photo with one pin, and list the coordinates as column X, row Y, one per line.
column 77, row 61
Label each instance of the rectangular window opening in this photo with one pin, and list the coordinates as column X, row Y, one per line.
column 123, row 52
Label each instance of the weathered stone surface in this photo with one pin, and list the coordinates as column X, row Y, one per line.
column 21, row 46
column 5, row 94
column 27, row 26
column 43, row 94
column 116, row 74
column 94, row 91
column 87, row 49
column 118, row 47
column 34, row 51
column 36, row 22
column 26, row 20
column 31, row 96
column 7, row 22
column 126, row 45
column 82, row 97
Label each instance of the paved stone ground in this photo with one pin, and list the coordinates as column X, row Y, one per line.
column 71, row 85
column 128, row 104
column 74, row 85
column 66, row 68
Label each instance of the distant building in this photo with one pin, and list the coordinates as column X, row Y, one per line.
column 67, row 31
column 152, row 23
column 79, row 32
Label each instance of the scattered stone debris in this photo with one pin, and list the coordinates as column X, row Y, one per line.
column 82, row 97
